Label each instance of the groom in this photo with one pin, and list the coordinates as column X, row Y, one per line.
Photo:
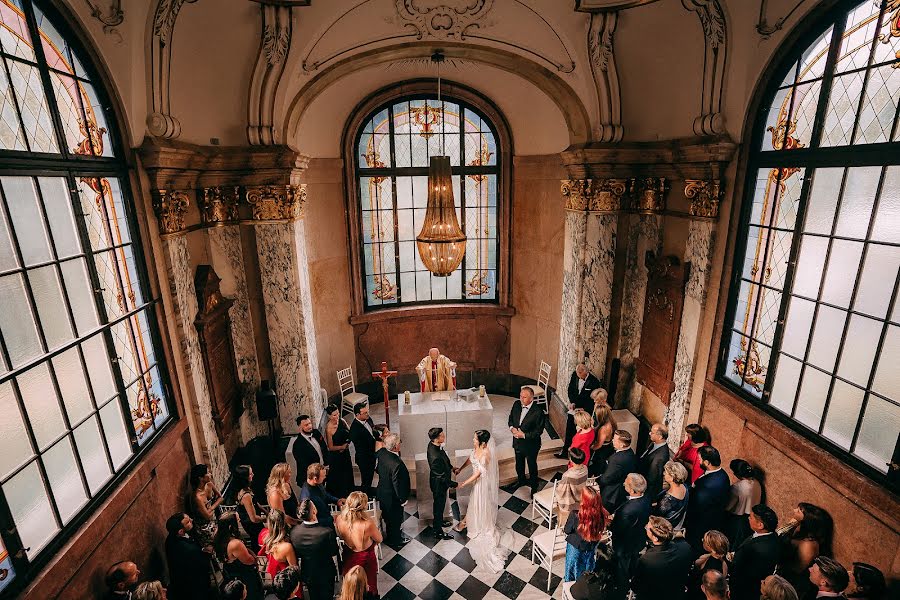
column 439, row 479
column 526, row 422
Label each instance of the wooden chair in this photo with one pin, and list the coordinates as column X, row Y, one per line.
column 350, row 397
column 546, row 547
column 544, row 503
column 543, row 381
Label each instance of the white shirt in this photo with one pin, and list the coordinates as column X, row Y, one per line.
column 653, row 448
column 315, row 444
column 824, row 594
column 310, row 522
column 581, row 384
column 524, row 412
column 756, row 535
column 367, row 426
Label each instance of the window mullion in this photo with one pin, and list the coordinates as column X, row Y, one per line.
column 837, row 37
column 392, row 135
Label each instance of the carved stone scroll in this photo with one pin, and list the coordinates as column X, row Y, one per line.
column 655, row 366
column 715, row 34
column 274, row 46
column 160, row 121
column 606, row 78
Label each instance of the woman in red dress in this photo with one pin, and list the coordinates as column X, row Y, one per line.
column 275, row 545
column 697, row 437
column 584, row 435
column 360, row 534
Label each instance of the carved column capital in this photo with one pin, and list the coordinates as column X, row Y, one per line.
column 219, row 205
column 277, row 202
column 594, row 195
column 576, row 193
column 705, row 196
column 648, row 194
column 170, row 208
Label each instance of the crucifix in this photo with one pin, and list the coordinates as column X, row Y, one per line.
column 383, row 375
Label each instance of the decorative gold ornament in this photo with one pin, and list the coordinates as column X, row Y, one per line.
column 705, row 196
column 648, row 194
column 219, row 205
column 576, row 193
column 170, row 208
column 594, row 195
column 441, row 242
column 277, row 202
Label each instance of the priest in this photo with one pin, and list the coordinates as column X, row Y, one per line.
column 437, row 373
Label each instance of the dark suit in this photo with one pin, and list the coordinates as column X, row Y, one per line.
column 320, row 497
column 621, row 463
column 754, row 560
column 189, row 568
column 305, row 454
column 364, row 452
column 581, row 400
column 440, row 480
column 628, row 533
column 392, row 491
column 527, row 448
column 706, row 506
column 651, row 465
column 114, row 595
column 662, row 571
column 316, row 546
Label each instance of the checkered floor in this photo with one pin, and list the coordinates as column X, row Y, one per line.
column 443, row 569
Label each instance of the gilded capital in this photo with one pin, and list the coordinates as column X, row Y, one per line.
column 648, row 194
column 170, row 208
column 277, row 202
column 705, row 196
column 594, row 195
column 219, row 205
column 576, row 193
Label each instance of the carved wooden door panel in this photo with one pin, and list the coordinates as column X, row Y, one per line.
column 655, row 366
column 214, row 330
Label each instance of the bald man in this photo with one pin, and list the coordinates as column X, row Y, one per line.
column 437, row 373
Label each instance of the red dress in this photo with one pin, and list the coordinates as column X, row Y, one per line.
column 273, row 565
column 688, row 455
column 367, row 560
column 583, row 441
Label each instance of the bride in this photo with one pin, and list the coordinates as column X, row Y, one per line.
column 481, row 518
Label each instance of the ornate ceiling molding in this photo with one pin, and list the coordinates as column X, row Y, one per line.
column 607, row 5
column 160, row 121
column 715, row 34
column 442, row 20
column 606, row 77
column 111, row 19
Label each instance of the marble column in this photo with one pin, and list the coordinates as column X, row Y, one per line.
column 225, row 247
column 570, row 309
column 196, row 390
column 284, row 271
column 644, row 235
column 698, row 252
column 596, row 292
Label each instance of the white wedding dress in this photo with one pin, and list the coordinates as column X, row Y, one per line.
column 486, row 541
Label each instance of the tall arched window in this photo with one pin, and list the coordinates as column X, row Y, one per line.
column 82, row 388
column 813, row 324
column 393, row 147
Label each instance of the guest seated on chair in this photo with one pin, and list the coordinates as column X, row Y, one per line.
column 204, row 500
column 360, row 534
column 287, row 584
column 314, row 489
column 275, row 544
column 279, row 494
column 672, row 503
column 584, row 529
column 355, row 584
column 236, row 560
column 572, row 482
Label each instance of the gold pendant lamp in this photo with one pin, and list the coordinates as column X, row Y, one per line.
column 441, row 242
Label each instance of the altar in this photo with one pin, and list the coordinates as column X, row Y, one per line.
column 459, row 418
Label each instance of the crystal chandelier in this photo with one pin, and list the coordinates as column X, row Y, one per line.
column 441, row 242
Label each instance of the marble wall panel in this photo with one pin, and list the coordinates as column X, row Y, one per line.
column 596, row 292
column 698, row 252
column 288, row 304
column 225, row 248
column 570, row 312
column 196, row 394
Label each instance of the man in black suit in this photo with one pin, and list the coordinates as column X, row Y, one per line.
column 662, row 571
column 581, row 384
column 526, row 422
column 309, row 447
column 363, row 438
column 393, row 489
column 189, row 565
column 654, row 459
column 120, row 580
column 829, row 579
column 627, row 528
column 621, row 463
column 441, row 471
column 316, row 546
column 708, row 498
column 757, row 557
column 314, row 489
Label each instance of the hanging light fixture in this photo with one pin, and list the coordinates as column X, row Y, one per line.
column 441, row 242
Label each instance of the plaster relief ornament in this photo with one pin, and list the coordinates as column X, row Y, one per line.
column 277, row 202
column 431, row 20
column 276, row 40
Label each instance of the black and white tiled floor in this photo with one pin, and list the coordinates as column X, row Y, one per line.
column 434, row 569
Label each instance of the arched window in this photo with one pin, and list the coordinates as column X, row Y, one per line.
column 813, row 324
column 82, row 388
column 393, row 147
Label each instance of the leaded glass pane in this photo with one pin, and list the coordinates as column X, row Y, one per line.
column 887, row 222
column 70, row 105
column 887, row 376
column 888, row 46
column 14, row 36
column 877, row 281
column 96, row 357
column 73, row 385
column 808, row 275
column 826, row 337
column 48, row 299
column 115, row 433
column 813, row 59
column 65, row 482
column 16, row 322
column 856, row 203
column 30, row 508
column 879, row 105
column 58, row 207
column 844, row 259
column 859, row 34
column 841, row 112
column 811, row 399
column 7, row 254
column 860, row 347
column 33, row 107
column 11, row 135
column 99, row 139
column 81, row 297
column 28, row 223
column 784, row 389
column 15, row 448
column 92, row 454
column 798, row 326
column 822, row 204
column 843, row 413
column 803, row 113
column 878, row 433
column 41, row 404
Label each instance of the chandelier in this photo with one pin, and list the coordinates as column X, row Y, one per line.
column 441, row 242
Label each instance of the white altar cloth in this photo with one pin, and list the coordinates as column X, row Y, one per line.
column 459, row 419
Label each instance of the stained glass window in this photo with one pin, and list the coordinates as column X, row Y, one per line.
column 81, row 388
column 814, row 318
column 393, row 151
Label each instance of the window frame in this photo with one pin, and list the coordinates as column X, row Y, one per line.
column 72, row 167
column 811, row 158
column 384, row 98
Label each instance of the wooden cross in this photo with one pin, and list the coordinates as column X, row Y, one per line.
column 383, row 375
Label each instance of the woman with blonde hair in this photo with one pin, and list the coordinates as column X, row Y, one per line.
column 604, row 427
column 275, row 544
column 360, row 534
column 584, row 434
column 149, row 590
column 280, row 495
column 355, row 584
column 673, row 501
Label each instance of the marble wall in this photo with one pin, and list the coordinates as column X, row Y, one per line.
column 289, row 319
